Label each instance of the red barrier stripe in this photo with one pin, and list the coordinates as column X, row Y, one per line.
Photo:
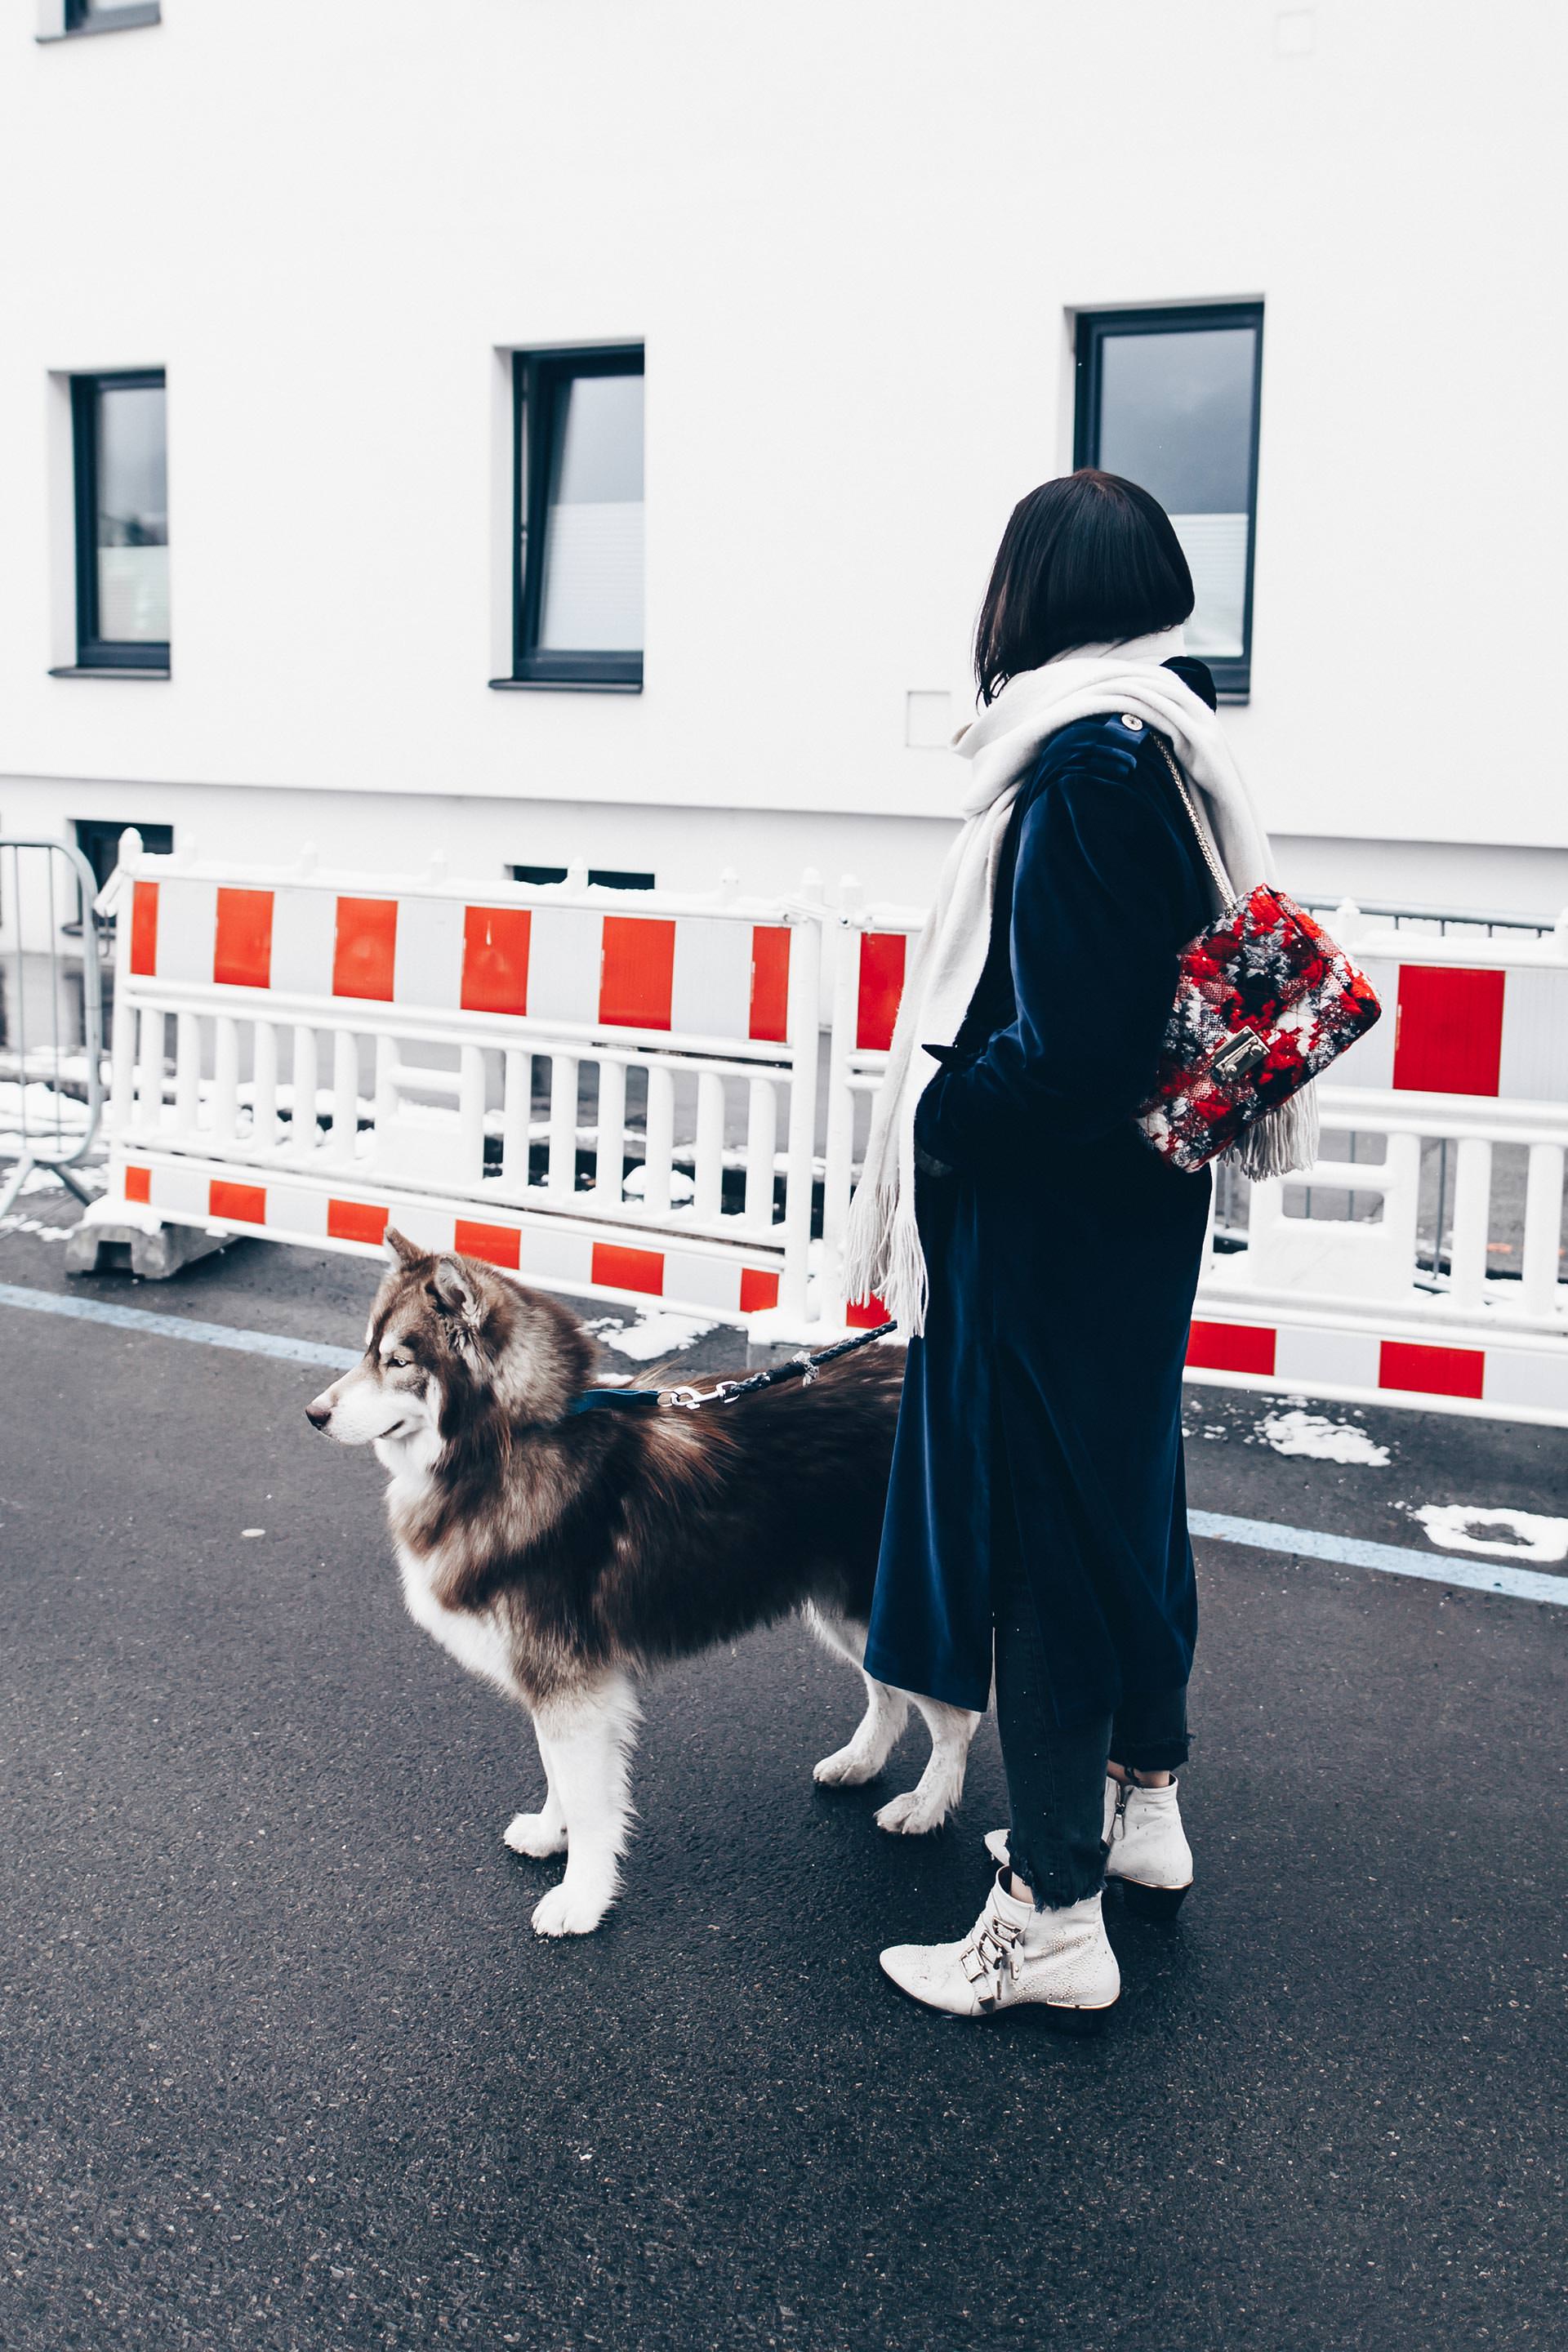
column 619, row 1268
column 1447, row 1030
column 240, row 1205
column 867, row 1316
column 144, row 929
column 1436, row 1372
column 365, row 948
column 139, row 1184
column 495, row 958
column 242, row 951
column 497, row 1245
column 759, row 1288
column 356, row 1221
column 770, row 983
column 1232, row 1348
column 882, row 955
column 637, row 972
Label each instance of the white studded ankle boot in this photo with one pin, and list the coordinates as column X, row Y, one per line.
column 1147, row 1854
column 1055, row 1965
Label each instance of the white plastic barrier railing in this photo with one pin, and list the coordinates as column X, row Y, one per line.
column 1462, row 1089
column 624, row 1104
column 604, row 1100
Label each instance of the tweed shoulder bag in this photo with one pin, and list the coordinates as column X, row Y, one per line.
column 1265, row 1000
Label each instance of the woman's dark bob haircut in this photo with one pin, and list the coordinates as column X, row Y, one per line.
column 1087, row 559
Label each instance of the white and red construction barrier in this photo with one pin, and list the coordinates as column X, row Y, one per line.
column 722, row 976
column 345, row 1053
column 347, row 1056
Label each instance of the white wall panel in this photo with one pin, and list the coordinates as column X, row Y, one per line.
column 850, row 252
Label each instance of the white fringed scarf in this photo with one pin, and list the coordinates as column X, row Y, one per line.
column 883, row 1254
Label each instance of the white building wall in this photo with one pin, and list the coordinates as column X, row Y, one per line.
column 852, row 237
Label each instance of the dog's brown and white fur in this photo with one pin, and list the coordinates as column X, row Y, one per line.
column 563, row 1557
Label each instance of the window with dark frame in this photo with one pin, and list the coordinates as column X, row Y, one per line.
column 119, row 445
column 607, row 878
column 108, row 15
column 98, row 838
column 577, row 538
column 1170, row 400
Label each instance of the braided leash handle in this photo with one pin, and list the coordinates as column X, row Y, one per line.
column 805, row 1366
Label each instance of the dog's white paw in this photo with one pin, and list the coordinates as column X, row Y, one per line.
column 568, row 1910
column 912, row 1815
column 534, row 1834
column 847, row 1767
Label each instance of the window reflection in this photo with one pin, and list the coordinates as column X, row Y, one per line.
column 591, row 594
column 131, row 523
column 1176, row 415
column 1169, row 399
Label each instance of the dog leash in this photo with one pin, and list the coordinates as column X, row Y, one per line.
column 690, row 1400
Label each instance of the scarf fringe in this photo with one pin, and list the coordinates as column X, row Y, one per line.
column 1284, row 1143
column 883, row 1258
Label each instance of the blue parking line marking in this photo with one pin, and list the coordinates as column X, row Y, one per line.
column 177, row 1326
column 1263, row 1534
column 1353, row 1551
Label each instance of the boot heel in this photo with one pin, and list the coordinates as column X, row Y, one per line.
column 1153, row 1901
column 1080, row 2024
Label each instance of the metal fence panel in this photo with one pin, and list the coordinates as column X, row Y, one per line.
column 51, row 1037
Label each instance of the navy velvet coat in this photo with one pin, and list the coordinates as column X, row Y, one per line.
column 1041, row 1410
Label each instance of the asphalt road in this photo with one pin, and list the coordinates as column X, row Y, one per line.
column 284, row 2066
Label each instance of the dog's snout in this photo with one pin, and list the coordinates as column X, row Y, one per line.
column 319, row 1413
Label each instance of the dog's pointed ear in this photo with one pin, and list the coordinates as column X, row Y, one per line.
column 456, row 1292
column 400, row 1250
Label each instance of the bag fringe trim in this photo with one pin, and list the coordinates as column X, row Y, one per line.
column 1282, row 1142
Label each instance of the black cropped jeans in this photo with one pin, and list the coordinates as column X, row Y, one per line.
column 1056, row 1778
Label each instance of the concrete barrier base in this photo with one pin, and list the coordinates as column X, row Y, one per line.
column 153, row 1252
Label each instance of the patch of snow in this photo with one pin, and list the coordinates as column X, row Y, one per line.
column 1322, row 1440
column 44, row 1179
column 1517, row 1534
column 36, row 1113
column 140, row 1216
column 39, row 1104
column 681, row 1188
column 655, row 1333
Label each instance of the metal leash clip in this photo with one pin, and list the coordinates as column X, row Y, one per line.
column 690, row 1400
column 808, row 1368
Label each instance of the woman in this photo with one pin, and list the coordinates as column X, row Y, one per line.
column 1044, row 1256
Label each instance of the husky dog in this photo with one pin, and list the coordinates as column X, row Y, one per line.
column 563, row 1556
